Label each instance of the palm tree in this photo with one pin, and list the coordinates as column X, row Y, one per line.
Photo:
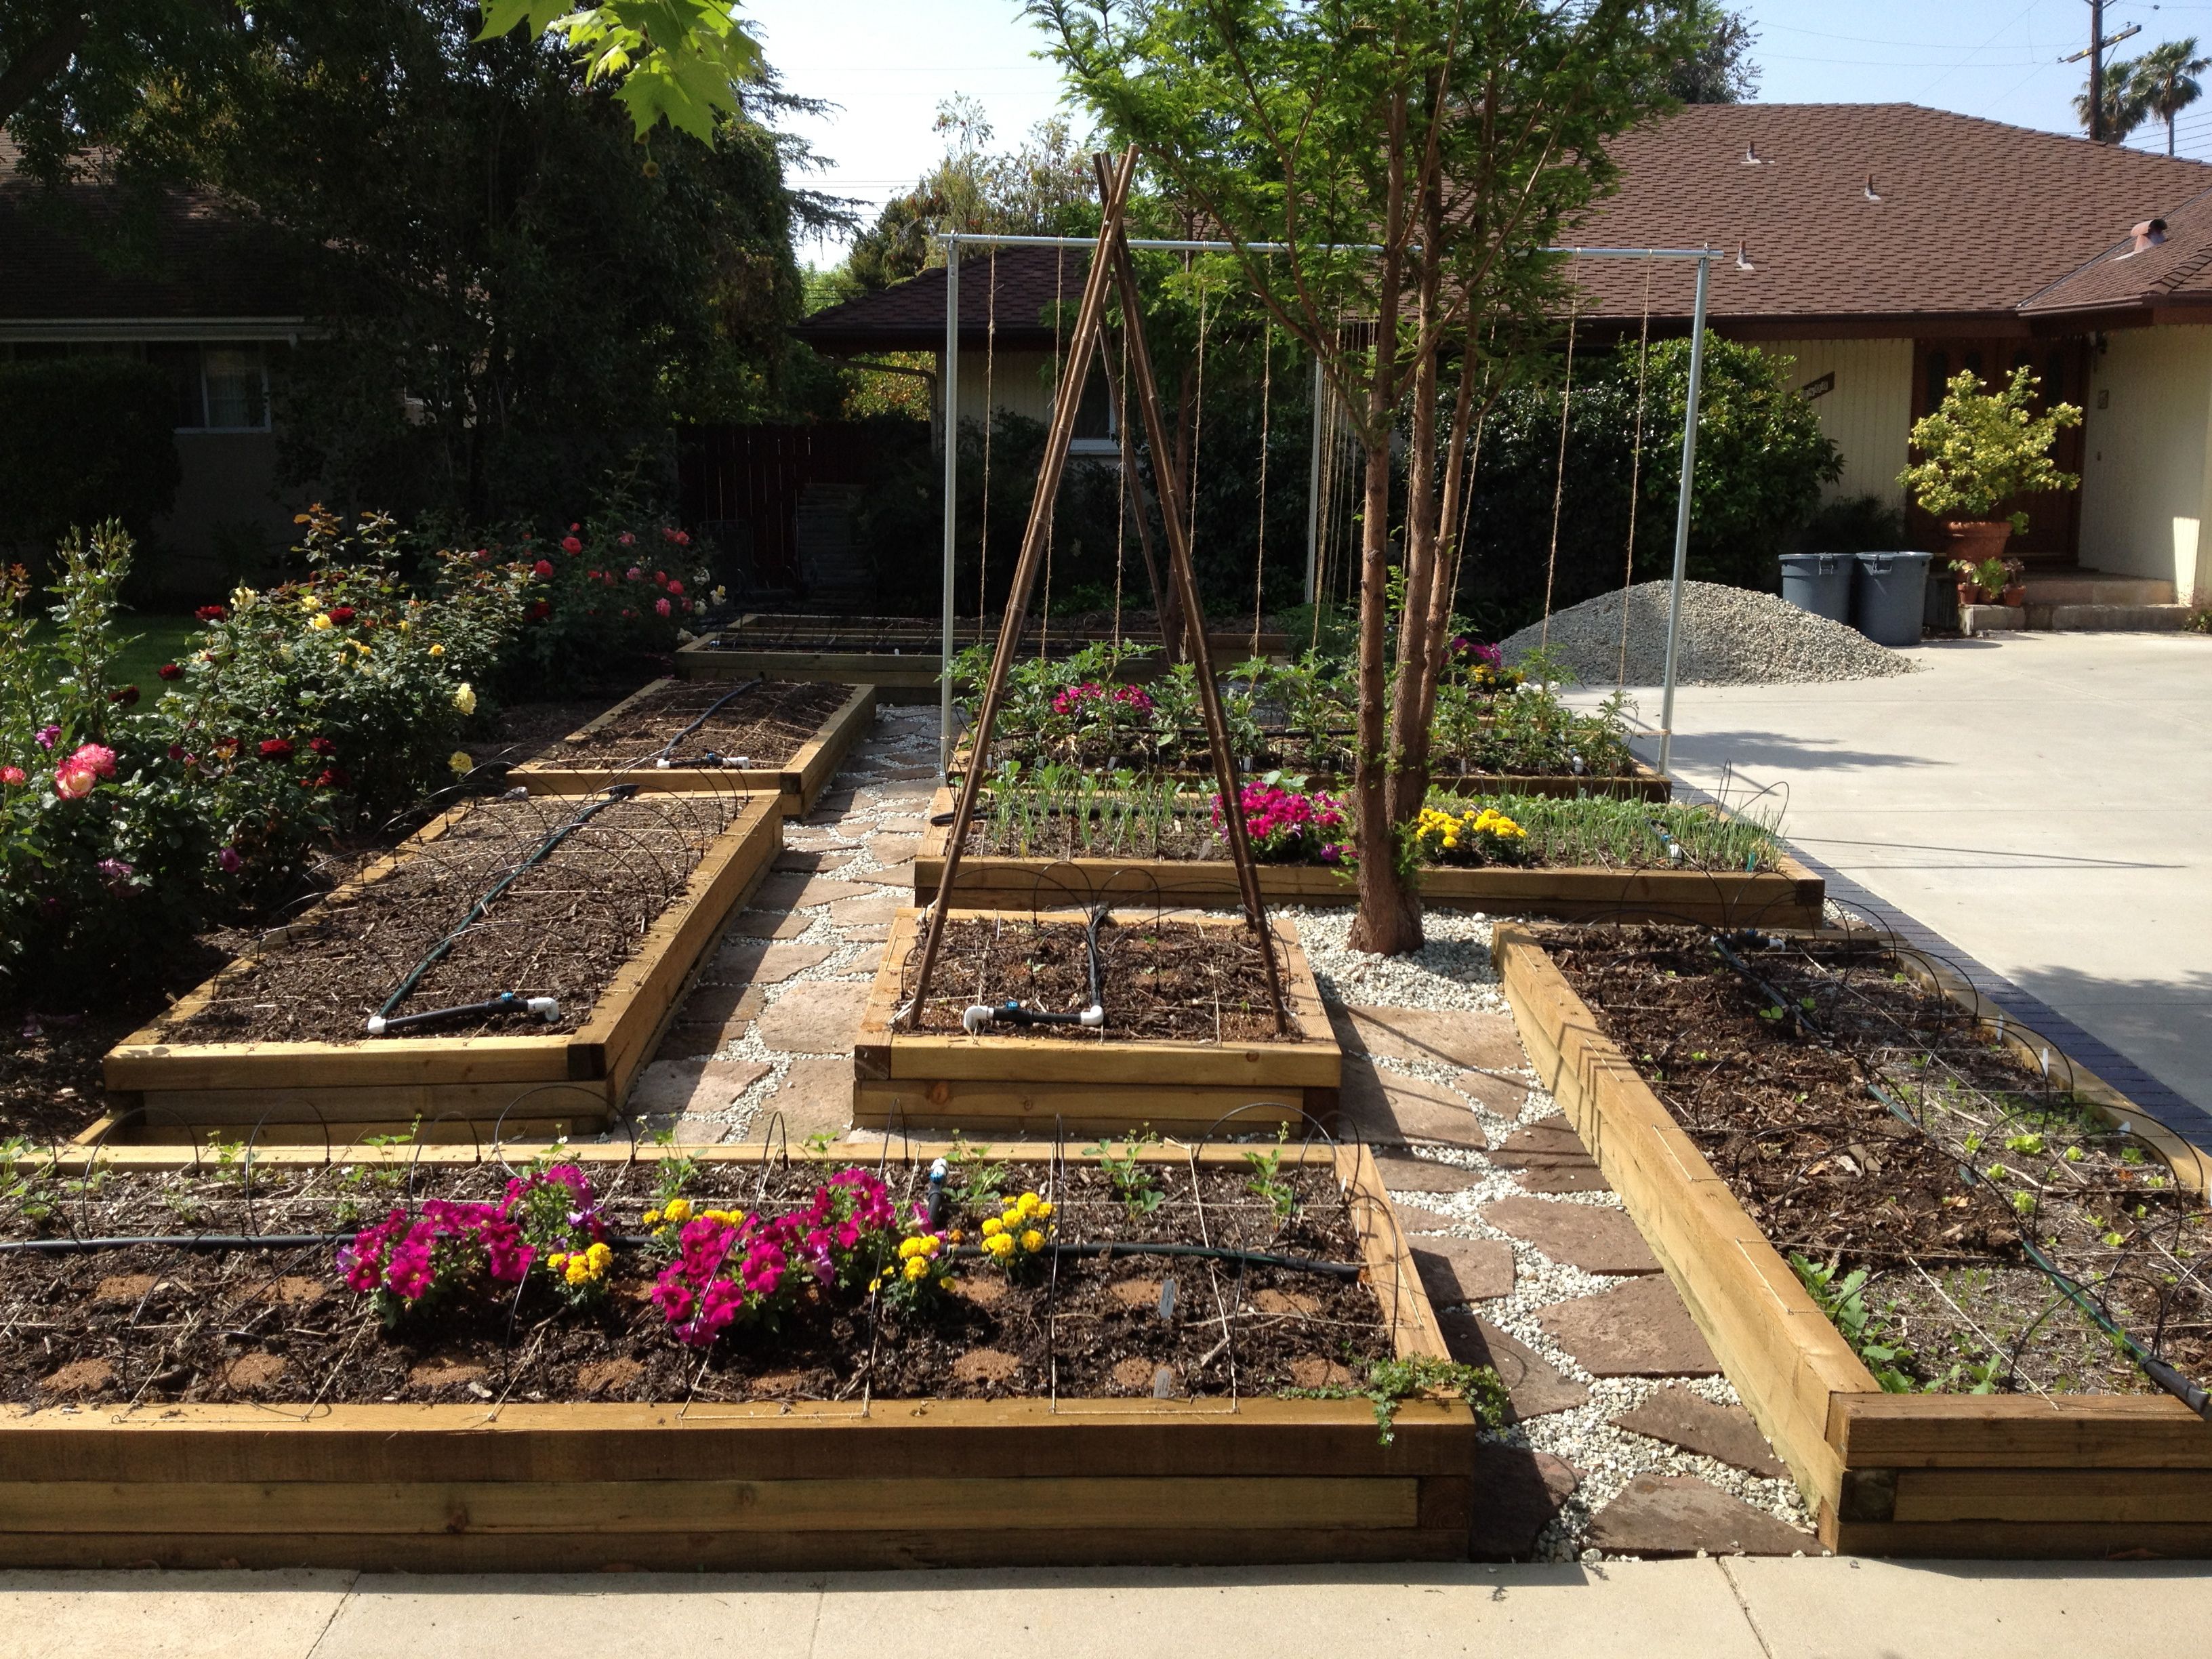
column 2124, row 109
column 2165, row 82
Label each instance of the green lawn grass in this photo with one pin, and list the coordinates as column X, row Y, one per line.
column 150, row 640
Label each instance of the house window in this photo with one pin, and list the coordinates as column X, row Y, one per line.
column 1096, row 433
column 220, row 388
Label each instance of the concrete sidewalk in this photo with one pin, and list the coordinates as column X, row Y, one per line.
column 2044, row 801
column 1704, row 1609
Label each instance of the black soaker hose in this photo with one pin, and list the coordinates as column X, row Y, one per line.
column 660, row 756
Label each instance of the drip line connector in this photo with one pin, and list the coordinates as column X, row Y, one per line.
column 506, row 1002
column 981, row 1015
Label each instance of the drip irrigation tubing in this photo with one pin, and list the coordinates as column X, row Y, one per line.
column 2165, row 1375
column 660, row 754
column 576, row 821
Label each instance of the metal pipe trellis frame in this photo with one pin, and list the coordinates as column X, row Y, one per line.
column 949, row 390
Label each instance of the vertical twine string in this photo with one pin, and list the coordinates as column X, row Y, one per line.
column 1635, row 480
column 1259, row 564
column 990, row 358
column 1559, row 481
column 1120, row 509
column 1059, row 299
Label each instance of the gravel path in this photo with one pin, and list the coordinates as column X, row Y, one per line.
column 1730, row 636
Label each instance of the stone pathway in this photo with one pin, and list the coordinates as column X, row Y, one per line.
column 1626, row 1440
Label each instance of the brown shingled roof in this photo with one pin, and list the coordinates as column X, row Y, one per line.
column 909, row 316
column 1975, row 218
column 202, row 262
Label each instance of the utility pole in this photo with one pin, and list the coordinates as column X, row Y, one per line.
column 2094, row 51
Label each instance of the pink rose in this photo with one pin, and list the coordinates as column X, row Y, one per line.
column 661, row 606
column 12, row 775
column 74, row 782
column 228, row 861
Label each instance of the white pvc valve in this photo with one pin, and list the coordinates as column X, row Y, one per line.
column 1094, row 1017
column 546, row 1008
column 662, row 762
column 376, row 1025
column 975, row 1017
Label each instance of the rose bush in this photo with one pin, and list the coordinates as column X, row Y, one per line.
column 605, row 595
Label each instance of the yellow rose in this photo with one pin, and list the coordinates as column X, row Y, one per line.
column 437, row 650
column 464, row 698
column 460, row 761
column 320, row 622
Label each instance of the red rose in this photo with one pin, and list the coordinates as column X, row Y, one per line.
column 683, row 538
column 540, row 611
column 544, row 567
column 571, row 544
column 211, row 613
column 275, row 749
column 322, row 746
column 573, row 528
column 342, row 613
column 332, row 777
column 675, row 588
column 176, row 751
column 661, row 576
column 169, row 670
column 127, row 696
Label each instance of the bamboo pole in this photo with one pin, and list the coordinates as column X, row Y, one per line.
column 1114, row 195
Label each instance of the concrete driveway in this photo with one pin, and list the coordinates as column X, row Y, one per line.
column 2043, row 800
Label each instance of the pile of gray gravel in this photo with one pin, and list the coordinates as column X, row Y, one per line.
column 1730, row 636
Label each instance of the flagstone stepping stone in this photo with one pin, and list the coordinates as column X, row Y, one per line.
column 1404, row 1174
column 814, row 860
column 893, row 849
column 876, row 910
column 1387, row 1108
column 756, row 961
column 1546, row 1158
column 676, row 1088
column 1449, row 1036
column 1534, row 1385
column 1415, row 1219
column 874, row 933
column 1639, row 1328
column 1464, row 1269
column 1695, row 1423
column 1598, row 1241
column 815, row 1097
column 769, row 924
column 821, row 1018
column 794, row 890
column 867, row 963
column 1518, row 1492
column 1679, row 1514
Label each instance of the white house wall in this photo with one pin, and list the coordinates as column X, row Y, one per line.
column 1868, row 411
column 1020, row 381
column 2143, row 466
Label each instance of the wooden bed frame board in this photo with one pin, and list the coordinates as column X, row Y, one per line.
column 585, row 1074
column 1889, row 1474
column 800, row 1485
column 1789, row 895
column 1013, row 1085
column 797, row 782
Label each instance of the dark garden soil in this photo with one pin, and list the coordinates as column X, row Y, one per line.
column 1158, row 981
column 761, row 724
column 563, row 928
column 1769, row 1070
column 153, row 1323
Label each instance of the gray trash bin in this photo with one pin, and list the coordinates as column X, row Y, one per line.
column 1819, row 583
column 1889, row 594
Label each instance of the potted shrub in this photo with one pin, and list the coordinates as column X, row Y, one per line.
column 1979, row 448
column 1990, row 581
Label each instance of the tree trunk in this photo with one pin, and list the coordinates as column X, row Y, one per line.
column 1445, row 565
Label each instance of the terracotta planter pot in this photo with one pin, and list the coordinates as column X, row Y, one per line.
column 2015, row 595
column 1975, row 540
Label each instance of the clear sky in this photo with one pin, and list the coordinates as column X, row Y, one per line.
column 889, row 62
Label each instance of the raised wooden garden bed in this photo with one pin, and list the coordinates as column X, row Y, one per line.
column 1095, row 1082
column 901, row 656
column 1951, row 1474
column 513, row 1485
column 577, row 1074
column 595, row 756
column 1789, row 895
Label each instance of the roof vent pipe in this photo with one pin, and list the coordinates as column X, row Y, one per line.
column 1743, row 257
column 2148, row 236
column 1870, row 195
column 1751, row 158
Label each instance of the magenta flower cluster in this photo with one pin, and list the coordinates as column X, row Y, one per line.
column 404, row 1259
column 1288, row 825
column 731, row 1267
column 1093, row 698
column 1472, row 653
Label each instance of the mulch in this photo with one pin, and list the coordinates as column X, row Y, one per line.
column 758, row 724
column 1158, row 979
column 562, row 929
column 1770, row 1078
column 158, row 1324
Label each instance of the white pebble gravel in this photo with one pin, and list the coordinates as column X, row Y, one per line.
column 1729, row 637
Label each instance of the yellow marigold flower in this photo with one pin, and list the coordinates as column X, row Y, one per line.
column 558, row 1259
column 992, row 1227
column 679, row 1209
column 727, row 1218
column 1044, row 1212
column 916, row 1269
column 959, row 1237
column 652, row 1217
column 999, row 1244
column 908, row 1248
column 1029, row 1204
column 1033, row 1241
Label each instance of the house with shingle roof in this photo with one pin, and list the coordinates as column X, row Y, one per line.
column 184, row 284
column 1880, row 248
